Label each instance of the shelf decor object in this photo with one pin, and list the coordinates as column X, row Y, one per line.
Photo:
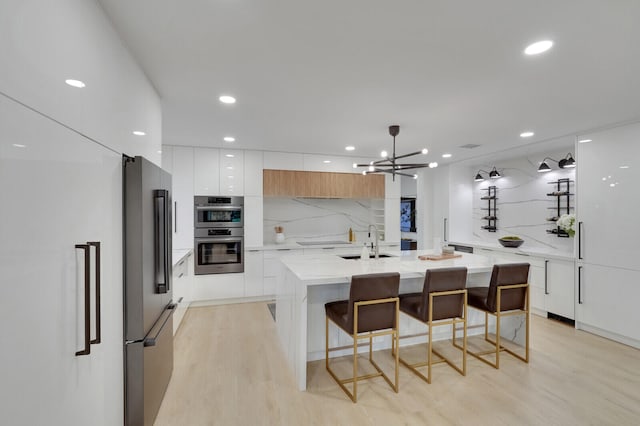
column 562, row 198
column 493, row 174
column 491, row 216
column 511, row 241
column 389, row 164
column 566, row 163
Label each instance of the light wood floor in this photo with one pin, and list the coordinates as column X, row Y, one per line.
column 229, row 370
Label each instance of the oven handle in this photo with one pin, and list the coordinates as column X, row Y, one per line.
column 218, row 240
column 218, row 207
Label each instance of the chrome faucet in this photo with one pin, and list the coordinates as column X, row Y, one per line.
column 377, row 249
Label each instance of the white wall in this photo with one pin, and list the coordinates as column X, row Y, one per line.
column 523, row 204
column 43, row 43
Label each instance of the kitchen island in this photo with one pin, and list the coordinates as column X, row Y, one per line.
column 308, row 282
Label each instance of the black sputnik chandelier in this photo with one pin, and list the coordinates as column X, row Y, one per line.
column 389, row 164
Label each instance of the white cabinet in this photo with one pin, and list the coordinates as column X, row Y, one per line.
column 253, row 174
column 607, row 302
column 231, row 172
column 560, row 294
column 253, row 224
column 167, row 158
column 58, row 189
column 607, row 209
column 218, row 286
column 253, row 273
column 182, row 181
column 182, row 288
column 273, row 268
column 206, row 171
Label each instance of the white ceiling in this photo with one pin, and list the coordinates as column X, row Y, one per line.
column 316, row 76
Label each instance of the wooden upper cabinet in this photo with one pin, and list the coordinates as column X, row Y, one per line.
column 293, row 183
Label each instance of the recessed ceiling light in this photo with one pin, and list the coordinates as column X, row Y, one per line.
column 446, row 155
column 527, row 134
column 229, row 155
column 229, row 139
column 19, row 145
column 159, row 152
column 229, row 177
column 350, row 148
column 327, row 161
column 229, row 168
column 538, row 47
column 624, row 167
column 226, row 99
column 75, row 83
column 584, row 140
column 139, row 133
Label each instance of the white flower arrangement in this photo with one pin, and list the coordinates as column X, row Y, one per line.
column 567, row 223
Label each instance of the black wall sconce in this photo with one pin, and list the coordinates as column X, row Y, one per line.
column 493, row 174
column 566, row 163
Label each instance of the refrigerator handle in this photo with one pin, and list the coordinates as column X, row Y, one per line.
column 580, row 240
column 97, row 340
column 159, row 325
column 87, row 299
column 161, row 240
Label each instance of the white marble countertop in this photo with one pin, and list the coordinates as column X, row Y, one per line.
column 179, row 254
column 319, row 269
column 293, row 245
column 548, row 253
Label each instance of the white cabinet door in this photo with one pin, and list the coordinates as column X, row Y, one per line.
column 58, row 189
column 231, row 172
column 536, row 289
column 253, row 173
column 167, row 158
column 182, row 181
column 253, row 273
column 253, row 224
column 273, row 268
column 206, row 171
column 560, row 299
column 182, row 275
column 607, row 178
column 607, row 300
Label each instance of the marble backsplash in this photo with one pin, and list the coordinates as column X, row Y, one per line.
column 315, row 219
column 523, row 204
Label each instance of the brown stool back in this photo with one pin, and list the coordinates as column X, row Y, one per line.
column 507, row 294
column 443, row 301
column 373, row 306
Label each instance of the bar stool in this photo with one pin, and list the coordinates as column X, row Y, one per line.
column 507, row 294
column 443, row 301
column 373, row 310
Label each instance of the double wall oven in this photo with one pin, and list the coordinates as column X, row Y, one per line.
column 219, row 234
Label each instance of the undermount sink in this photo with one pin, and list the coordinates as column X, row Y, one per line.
column 357, row 256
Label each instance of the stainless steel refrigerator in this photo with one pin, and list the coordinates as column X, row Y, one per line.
column 148, row 308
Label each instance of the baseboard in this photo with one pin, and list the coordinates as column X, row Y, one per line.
column 609, row 335
column 231, row 301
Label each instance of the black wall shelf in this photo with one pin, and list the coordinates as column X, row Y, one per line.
column 492, row 216
column 562, row 195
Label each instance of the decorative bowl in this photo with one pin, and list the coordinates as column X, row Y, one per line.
column 511, row 241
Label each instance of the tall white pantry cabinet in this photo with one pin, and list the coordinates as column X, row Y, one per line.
column 608, row 208
column 59, row 190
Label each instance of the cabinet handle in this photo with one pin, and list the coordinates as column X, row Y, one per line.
column 580, row 285
column 546, row 268
column 444, row 231
column 97, row 340
column 579, row 240
column 87, row 300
